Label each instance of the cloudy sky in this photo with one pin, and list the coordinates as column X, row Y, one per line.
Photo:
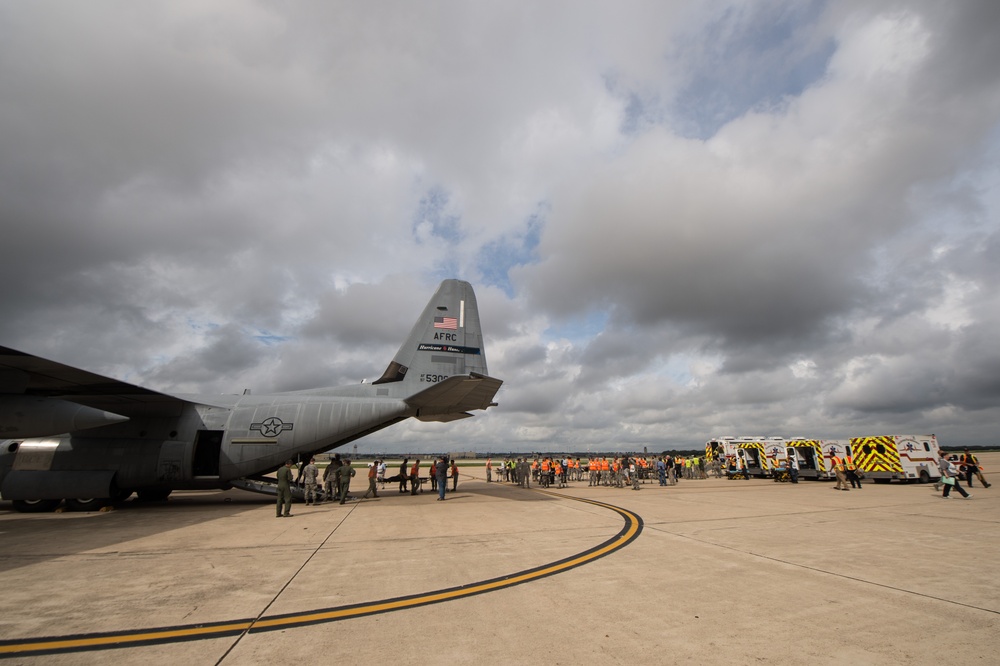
column 682, row 219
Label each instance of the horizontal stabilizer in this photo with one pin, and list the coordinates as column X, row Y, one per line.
column 443, row 418
column 454, row 396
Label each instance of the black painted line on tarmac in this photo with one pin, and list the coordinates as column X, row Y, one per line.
column 192, row 632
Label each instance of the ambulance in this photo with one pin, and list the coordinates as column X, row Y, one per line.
column 735, row 450
column 774, row 451
column 722, row 448
column 810, row 456
column 840, row 448
column 903, row 457
column 750, row 450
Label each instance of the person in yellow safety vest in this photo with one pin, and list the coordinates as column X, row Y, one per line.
column 741, row 467
column 841, row 471
column 972, row 468
column 851, row 470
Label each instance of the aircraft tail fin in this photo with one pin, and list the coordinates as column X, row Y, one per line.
column 442, row 362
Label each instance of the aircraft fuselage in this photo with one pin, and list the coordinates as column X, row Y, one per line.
column 205, row 446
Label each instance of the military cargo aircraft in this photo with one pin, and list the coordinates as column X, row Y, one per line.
column 88, row 440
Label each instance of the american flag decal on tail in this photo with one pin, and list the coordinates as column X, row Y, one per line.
column 449, row 323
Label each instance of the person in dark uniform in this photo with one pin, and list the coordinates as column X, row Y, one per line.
column 285, row 490
column 403, row 472
column 344, row 475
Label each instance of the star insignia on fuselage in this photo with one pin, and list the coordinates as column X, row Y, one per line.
column 271, row 426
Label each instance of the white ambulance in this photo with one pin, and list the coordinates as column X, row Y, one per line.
column 811, row 457
column 902, row 457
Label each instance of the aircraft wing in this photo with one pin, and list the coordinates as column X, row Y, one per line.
column 451, row 399
column 22, row 374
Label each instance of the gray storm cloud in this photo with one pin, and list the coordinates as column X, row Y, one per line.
column 682, row 219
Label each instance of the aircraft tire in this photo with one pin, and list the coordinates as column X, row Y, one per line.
column 35, row 506
column 87, row 503
column 158, row 495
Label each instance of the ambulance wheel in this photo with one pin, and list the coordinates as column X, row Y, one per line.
column 882, row 480
column 87, row 504
column 35, row 506
column 924, row 476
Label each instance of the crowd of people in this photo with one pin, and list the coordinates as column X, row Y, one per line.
column 547, row 471
column 616, row 471
column 335, row 482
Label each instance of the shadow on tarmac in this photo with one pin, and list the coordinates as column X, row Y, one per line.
column 29, row 538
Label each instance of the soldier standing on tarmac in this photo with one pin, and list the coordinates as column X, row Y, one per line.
column 285, row 490
column 310, row 474
column 403, row 472
column 344, row 474
column 330, row 478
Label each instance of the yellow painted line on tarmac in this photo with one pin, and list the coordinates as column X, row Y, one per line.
column 82, row 642
column 123, row 639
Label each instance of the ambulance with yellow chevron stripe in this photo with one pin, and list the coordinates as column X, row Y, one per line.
column 903, row 457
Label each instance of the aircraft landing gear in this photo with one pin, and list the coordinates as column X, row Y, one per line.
column 87, row 504
column 152, row 495
column 35, row 506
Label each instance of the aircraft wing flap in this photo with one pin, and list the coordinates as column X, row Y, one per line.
column 25, row 374
column 456, row 394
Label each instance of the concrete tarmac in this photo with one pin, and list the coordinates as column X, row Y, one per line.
column 710, row 571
